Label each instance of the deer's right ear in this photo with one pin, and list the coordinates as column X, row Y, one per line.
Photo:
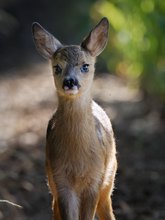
column 45, row 42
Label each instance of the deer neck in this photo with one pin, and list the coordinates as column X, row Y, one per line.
column 78, row 108
column 75, row 121
column 74, row 117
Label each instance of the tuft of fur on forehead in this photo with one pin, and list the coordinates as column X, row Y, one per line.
column 73, row 55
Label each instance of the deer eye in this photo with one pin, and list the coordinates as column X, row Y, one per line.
column 57, row 69
column 84, row 68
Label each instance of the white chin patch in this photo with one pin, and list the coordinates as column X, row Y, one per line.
column 72, row 91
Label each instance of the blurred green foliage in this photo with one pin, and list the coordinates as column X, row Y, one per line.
column 136, row 49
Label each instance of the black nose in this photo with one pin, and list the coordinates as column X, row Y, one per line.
column 70, row 82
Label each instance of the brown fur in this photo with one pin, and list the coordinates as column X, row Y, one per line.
column 80, row 150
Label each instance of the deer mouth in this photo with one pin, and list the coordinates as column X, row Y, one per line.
column 71, row 91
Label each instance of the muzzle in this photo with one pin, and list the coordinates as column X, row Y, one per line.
column 71, row 85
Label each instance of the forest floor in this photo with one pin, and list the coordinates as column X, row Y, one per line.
column 28, row 100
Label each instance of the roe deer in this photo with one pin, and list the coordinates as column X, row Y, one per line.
column 80, row 146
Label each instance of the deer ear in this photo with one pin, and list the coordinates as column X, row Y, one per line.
column 45, row 42
column 97, row 39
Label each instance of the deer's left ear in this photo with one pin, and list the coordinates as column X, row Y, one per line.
column 97, row 39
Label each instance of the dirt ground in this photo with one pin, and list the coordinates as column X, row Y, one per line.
column 28, row 100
